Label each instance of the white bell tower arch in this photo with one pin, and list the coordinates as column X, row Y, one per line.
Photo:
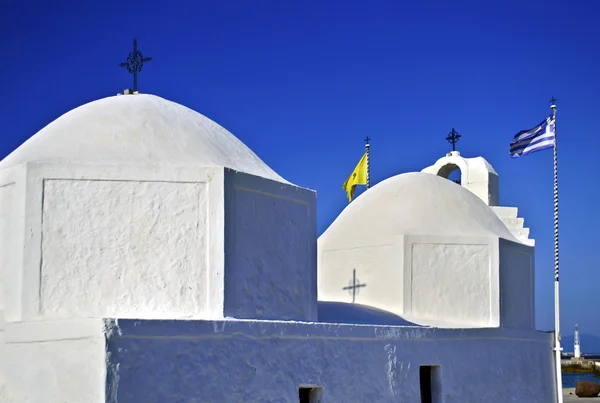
column 478, row 176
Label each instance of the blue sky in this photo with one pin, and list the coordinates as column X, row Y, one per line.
column 302, row 83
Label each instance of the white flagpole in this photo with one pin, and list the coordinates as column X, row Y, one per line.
column 557, row 347
column 368, row 152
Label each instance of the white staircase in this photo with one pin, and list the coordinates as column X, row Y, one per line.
column 515, row 224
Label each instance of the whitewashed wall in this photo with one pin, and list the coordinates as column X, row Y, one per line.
column 7, row 224
column 55, row 362
column 378, row 267
column 252, row 361
column 433, row 280
column 452, row 282
column 438, row 281
column 129, row 360
column 3, row 366
column 12, row 219
column 427, row 250
column 126, row 248
column 151, row 243
column 114, row 241
column 270, row 249
column 11, row 214
column 517, row 285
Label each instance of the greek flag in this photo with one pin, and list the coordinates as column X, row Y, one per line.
column 529, row 141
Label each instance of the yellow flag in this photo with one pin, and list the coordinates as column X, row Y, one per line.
column 358, row 177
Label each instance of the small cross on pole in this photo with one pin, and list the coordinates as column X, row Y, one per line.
column 367, row 139
column 453, row 138
column 553, row 102
column 135, row 62
column 354, row 285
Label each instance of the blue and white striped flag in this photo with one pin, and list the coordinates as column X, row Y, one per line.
column 529, row 141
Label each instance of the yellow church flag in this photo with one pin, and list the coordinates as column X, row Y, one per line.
column 358, row 177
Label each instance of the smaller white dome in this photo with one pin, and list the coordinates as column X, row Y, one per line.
column 357, row 314
column 138, row 130
column 417, row 204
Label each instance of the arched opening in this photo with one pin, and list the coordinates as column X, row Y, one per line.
column 451, row 172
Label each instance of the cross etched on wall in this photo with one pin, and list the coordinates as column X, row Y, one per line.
column 354, row 285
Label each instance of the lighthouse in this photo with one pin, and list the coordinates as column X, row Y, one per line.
column 577, row 349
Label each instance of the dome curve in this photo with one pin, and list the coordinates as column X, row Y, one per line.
column 416, row 204
column 142, row 130
column 357, row 314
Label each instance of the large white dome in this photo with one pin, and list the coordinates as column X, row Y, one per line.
column 416, row 204
column 139, row 130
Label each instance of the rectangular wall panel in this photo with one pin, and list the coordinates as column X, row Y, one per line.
column 123, row 248
column 270, row 250
column 517, row 288
column 451, row 282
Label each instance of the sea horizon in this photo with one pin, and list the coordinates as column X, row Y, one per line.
column 570, row 379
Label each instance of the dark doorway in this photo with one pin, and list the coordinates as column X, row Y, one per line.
column 305, row 395
column 310, row 394
column 429, row 376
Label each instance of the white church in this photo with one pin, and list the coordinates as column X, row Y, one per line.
column 147, row 255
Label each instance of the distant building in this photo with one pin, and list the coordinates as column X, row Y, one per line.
column 577, row 347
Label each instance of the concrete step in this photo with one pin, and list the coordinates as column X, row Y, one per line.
column 528, row 242
column 505, row 212
column 513, row 223
column 522, row 233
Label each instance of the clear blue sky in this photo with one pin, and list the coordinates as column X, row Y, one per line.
column 302, row 83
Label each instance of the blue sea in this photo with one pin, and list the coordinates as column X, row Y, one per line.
column 569, row 379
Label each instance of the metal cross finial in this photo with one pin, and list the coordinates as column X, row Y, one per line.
column 134, row 63
column 553, row 102
column 367, row 139
column 354, row 285
column 453, row 138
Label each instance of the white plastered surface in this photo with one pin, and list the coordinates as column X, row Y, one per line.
column 415, row 203
column 138, row 130
column 427, row 250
